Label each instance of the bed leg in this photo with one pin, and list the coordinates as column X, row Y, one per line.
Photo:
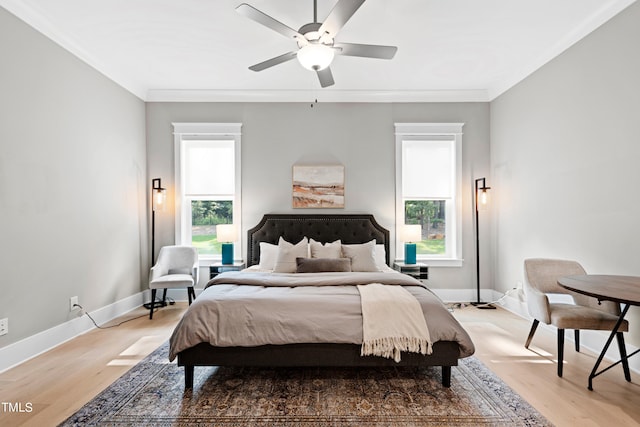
column 446, row 376
column 188, row 376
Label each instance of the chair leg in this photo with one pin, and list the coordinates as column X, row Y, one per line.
column 164, row 298
column 560, row 350
column 623, row 356
column 576, row 335
column 534, row 326
column 191, row 293
column 153, row 299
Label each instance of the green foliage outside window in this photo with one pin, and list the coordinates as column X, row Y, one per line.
column 205, row 215
column 430, row 214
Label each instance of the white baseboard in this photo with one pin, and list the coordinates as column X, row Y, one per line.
column 28, row 348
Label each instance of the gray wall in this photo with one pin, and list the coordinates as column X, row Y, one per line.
column 564, row 158
column 72, row 184
column 276, row 136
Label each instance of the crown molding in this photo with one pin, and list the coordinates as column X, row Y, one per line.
column 313, row 95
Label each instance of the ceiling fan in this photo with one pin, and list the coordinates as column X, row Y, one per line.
column 316, row 40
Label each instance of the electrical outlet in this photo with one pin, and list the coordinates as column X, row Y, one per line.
column 72, row 302
column 4, row 326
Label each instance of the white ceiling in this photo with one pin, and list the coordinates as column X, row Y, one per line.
column 199, row 50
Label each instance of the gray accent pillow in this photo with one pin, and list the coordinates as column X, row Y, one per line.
column 318, row 265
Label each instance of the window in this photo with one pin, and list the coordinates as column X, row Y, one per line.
column 428, row 180
column 207, row 162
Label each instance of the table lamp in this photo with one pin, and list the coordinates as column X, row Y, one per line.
column 226, row 234
column 411, row 233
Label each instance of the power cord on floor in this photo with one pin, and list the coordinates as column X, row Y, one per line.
column 105, row 327
column 499, row 300
column 456, row 305
column 459, row 305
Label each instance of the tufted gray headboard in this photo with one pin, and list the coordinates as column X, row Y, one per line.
column 350, row 229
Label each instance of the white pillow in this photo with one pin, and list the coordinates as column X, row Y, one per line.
column 268, row 256
column 328, row 250
column 287, row 254
column 381, row 257
column 362, row 256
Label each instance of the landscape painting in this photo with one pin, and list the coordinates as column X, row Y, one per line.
column 318, row 186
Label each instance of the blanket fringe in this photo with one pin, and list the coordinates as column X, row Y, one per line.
column 391, row 347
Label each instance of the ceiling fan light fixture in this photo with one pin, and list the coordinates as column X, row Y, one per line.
column 315, row 56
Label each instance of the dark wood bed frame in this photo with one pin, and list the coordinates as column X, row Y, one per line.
column 350, row 229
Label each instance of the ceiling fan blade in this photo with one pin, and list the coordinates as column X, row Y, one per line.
column 325, row 77
column 274, row 61
column 366, row 50
column 264, row 19
column 339, row 16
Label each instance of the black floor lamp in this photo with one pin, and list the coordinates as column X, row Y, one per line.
column 158, row 198
column 481, row 200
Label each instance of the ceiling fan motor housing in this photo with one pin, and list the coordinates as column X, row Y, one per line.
column 316, row 52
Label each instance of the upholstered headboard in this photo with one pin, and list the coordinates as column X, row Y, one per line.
column 350, row 229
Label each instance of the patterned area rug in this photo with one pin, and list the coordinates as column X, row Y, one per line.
column 152, row 394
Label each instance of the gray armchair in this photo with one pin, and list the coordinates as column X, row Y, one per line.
column 176, row 267
column 541, row 278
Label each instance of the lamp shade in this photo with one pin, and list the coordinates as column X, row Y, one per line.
column 483, row 198
column 158, row 195
column 315, row 56
column 482, row 194
column 412, row 233
column 226, row 233
column 159, row 199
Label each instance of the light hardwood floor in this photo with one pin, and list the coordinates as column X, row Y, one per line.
column 60, row 381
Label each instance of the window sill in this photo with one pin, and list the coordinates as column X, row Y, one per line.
column 441, row 262
column 210, row 260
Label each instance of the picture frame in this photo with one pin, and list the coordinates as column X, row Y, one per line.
column 318, row 186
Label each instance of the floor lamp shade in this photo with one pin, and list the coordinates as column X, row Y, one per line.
column 159, row 195
column 410, row 234
column 226, row 234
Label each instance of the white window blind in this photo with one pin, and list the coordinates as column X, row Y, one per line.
column 209, row 168
column 428, row 169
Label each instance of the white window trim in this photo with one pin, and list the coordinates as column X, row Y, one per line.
column 406, row 131
column 209, row 131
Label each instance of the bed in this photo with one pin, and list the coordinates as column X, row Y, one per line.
column 199, row 338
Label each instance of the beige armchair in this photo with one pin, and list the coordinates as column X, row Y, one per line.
column 176, row 267
column 541, row 278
